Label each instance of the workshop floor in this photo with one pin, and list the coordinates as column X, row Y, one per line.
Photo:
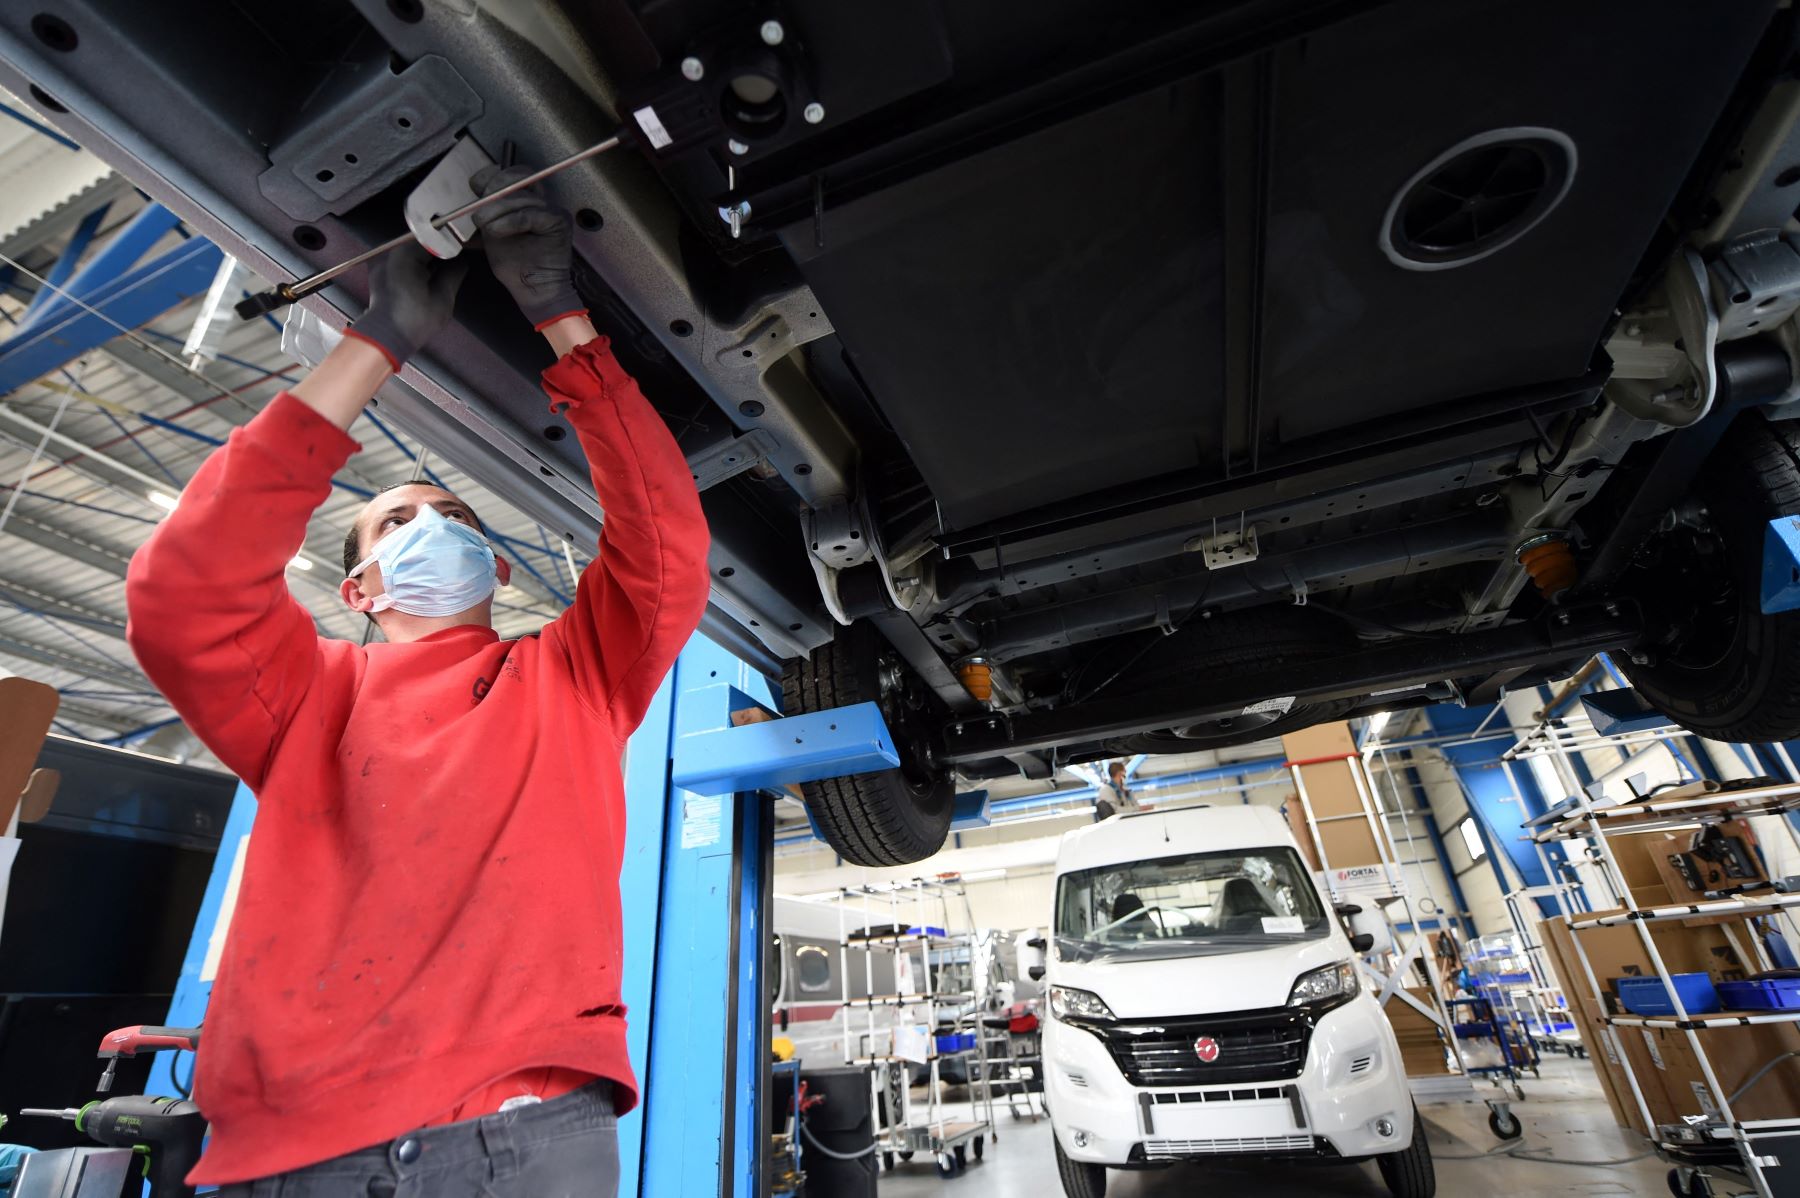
column 1564, row 1116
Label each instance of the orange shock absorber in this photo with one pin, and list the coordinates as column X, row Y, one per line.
column 1550, row 562
column 977, row 677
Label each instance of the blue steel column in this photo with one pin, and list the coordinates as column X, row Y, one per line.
column 188, row 1006
column 704, row 1056
column 1498, row 811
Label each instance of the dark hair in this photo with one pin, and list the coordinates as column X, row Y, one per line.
column 353, row 542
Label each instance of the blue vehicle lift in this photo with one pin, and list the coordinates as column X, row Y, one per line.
column 695, row 885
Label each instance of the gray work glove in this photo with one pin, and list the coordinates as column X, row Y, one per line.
column 411, row 297
column 528, row 245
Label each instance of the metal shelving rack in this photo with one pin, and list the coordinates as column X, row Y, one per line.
column 1505, row 981
column 921, row 907
column 1728, row 1145
column 1412, row 945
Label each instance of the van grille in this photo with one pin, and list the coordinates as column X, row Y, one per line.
column 1254, row 1046
column 1173, row 1149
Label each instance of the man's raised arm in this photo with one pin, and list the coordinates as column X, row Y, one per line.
column 210, row 617
column 641, row 598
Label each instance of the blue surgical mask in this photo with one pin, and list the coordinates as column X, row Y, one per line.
column 431, row 566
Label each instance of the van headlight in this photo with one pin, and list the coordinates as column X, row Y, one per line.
column 1068, row 1003
column 1331, row 986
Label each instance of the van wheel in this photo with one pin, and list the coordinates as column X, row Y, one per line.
column 889, row 817
column 1409, row 1173
column 1728, row 671
column 1079, row 1179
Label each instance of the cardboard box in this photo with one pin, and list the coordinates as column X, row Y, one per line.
column 1667, row 1070
column 1604, row 1052
column 1344, row 830
column 1422, row 1049
column 1616, row 952
column 1736, row 1054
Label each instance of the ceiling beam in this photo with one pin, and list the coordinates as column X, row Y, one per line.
column 78, row 713
column 67, row 544
column 121, row 475
column 63, row 217
column 20, row 595
column 74, row 663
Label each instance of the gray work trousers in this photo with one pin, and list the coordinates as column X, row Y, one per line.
column 567, row 1147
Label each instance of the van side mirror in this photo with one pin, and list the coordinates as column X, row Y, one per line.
column 1346, row 910
column 1362, row 942
column 1033, row 957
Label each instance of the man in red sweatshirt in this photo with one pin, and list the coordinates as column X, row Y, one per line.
column 420, row 991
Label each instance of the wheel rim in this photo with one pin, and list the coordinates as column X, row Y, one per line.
column 905, row 709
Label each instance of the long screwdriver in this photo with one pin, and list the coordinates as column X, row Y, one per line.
column 283, row 294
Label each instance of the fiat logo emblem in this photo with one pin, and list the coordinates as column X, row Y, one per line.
column 1207, row 1049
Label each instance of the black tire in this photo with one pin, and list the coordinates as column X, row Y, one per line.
column 978, row 1143
column 905, row 1154
column 1504, row 1127
column 1079, row 1179
column 1699, row 1188
column 962, row 1158
column 1260, row 637
column 1734, row 673
column 887, row 1161
column 946, row 1165
column 1409, row 1173
column 890, row 817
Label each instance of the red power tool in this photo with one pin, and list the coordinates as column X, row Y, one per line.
column 129, row 1041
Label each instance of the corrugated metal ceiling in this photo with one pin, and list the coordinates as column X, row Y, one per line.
column 79, row 515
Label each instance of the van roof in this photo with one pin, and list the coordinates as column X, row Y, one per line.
column 1144, row 835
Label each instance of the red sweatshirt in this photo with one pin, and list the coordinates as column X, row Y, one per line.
column 431, row 896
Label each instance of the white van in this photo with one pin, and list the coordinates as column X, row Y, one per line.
column 1204, row 1002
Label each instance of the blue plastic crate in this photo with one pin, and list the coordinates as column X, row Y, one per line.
column 955, row 1042
column 1761, row 994
column 1648, row 996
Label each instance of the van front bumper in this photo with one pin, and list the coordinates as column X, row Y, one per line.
column 1350, row 1090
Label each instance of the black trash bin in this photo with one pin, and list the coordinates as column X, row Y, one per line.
column 841, row 1124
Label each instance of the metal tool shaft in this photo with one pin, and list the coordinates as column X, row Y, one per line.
column 310, row 284
column 69, row 1113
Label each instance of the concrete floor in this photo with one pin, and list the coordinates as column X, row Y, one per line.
column 1564, row 1116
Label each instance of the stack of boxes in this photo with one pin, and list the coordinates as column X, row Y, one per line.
column 1663, row 1061
column 1356, row 869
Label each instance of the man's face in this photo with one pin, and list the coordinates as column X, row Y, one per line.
column 388, row 511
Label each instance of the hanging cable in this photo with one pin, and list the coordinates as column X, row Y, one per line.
column 37, row 455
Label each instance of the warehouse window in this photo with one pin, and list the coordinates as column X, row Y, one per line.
column 1471, row 838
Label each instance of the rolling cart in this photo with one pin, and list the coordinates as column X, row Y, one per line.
column 1483, row 1024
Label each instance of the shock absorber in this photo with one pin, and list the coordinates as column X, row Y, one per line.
column 1550, row 561
column 977, row 677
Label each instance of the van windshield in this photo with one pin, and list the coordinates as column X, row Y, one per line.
column 1200, row 903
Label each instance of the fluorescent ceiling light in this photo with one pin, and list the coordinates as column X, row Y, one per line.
column 983, row 875
column 163, row 500
column 1377, row 722
column 300, row 562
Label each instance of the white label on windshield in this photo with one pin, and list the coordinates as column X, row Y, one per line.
column 1283, row 925
column 1273, row 706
